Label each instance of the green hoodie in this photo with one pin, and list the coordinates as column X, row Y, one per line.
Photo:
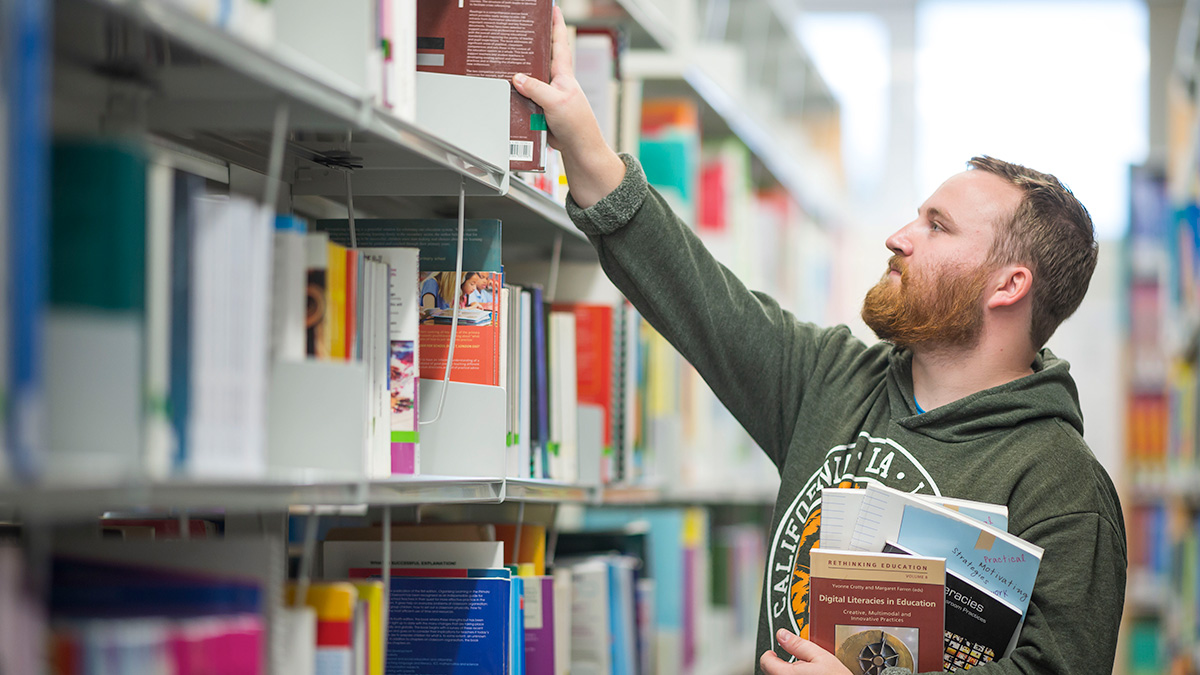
column 830, row 410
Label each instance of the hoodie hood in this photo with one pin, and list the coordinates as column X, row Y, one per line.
column 1049, row 392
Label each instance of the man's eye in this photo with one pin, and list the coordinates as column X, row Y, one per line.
column 935, row 226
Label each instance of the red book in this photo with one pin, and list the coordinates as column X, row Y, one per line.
column 594, row 359
column 877, row 610
column 497, row 39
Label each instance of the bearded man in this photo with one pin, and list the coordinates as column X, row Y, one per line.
column 960, row 400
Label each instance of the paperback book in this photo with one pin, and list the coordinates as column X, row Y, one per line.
column 495, row 39
column 478, row 354
column 878, row 610
column 979, row 626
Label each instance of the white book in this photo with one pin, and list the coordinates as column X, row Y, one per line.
column 402, row 71
column 339, row 557
column 591, row 627
column 840, row 508
column 594, row 70
column 524, row 416
column 563, row 603
column 564, row 455
column 380, row 348
column 288, row 295
column 231, row 285
column 158, row 433
column 403, row 354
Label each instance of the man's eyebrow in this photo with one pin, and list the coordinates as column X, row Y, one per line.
column 933, row 212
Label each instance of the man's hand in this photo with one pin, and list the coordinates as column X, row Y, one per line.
column 810, row 659
column 593, row 169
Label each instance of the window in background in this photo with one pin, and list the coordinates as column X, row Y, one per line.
column 851, row 51
column 1059, row 86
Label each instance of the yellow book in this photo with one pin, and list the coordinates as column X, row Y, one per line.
column 333, row 600
column 335, row 314
column 371, row 592
column 532, row 548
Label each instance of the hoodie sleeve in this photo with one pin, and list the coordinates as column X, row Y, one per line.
column 742, row 343
column 1075, row 612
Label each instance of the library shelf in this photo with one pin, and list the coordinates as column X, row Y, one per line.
column 650, row 20
column 646, row 495
column 725, row 112
column 221, row 95
column 74, row 501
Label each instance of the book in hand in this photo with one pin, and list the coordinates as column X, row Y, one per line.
column 878, row 610
column 496, row 39
column 979, row 626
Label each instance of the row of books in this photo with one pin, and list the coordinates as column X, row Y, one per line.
column 209, row 337
column 1162, row 444
column 631, row 592
column 935, row 584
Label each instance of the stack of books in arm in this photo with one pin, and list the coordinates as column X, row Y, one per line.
column 895, row 569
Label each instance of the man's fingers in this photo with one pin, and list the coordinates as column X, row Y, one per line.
column 534, row 89
column 560, row 51
column 802, row 649
column 773, row 665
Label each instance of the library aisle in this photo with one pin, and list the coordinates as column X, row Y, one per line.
column 306, row 369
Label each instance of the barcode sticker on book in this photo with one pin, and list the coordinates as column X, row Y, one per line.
column 520, row 150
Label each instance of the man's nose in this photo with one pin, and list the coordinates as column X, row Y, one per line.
column 899, row 242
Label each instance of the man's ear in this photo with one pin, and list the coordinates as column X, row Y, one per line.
column 1010, row 284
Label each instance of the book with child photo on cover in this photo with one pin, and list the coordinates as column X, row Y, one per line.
column 479, row 290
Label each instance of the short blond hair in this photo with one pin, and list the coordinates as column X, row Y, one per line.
column 1052, row 233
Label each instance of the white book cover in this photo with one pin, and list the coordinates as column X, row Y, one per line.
column 380, row 366
column 288, row 295
column 230, row 314
column 158, row 434
column 630, row 378
column 563, row 602
column 524, row 404
column 401, row 71
column 840, row 509
column 594, row 70
column 564, row 433
column 339, row 557
column 365, row 332
column 591, row 627
column 570, row 402
column 403, row 354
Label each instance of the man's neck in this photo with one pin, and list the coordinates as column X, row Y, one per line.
column 944, row 375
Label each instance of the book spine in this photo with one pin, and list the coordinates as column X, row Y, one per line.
column 26, row 61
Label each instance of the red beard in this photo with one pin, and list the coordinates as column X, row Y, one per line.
column 946, row 311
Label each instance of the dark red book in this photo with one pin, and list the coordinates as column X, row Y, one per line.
column 877, row 610
column 493, row 38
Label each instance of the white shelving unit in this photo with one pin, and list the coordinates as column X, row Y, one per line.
column 212, row 103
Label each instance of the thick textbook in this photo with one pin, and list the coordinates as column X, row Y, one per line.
column 478, row 354
column 878, row 610
column 496, row 39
